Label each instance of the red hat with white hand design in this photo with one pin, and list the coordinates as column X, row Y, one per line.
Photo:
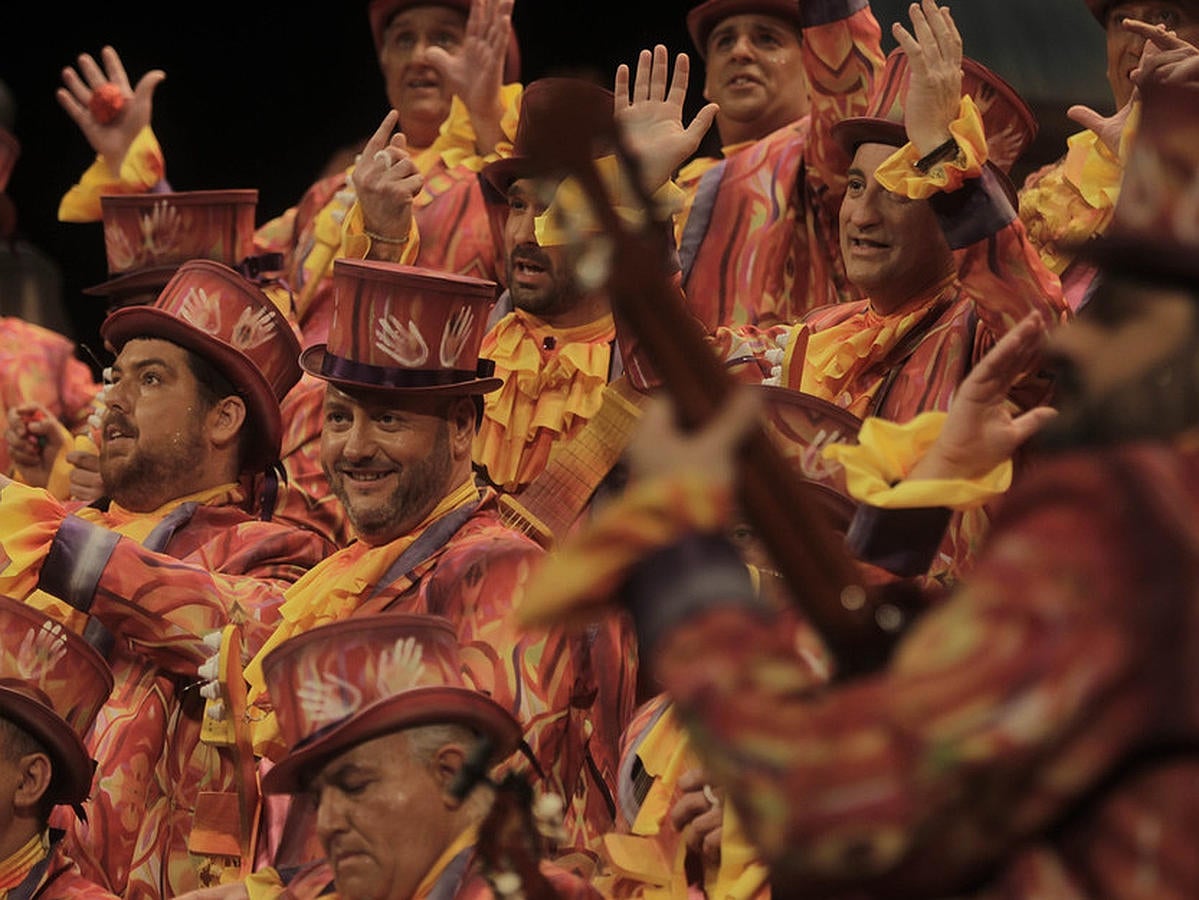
column 340, row 685
column 213, row 311
column 52, row 685
column 405, row 329
column 148, row 236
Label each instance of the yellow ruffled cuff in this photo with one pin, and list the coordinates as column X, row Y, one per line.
column 876, row 468
column 899, row 174
column 356, row 244
column 569, row 215
column 142, row 168
column 1094, row 169
column 577, row 582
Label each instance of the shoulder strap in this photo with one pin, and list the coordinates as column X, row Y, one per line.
column 430, row 541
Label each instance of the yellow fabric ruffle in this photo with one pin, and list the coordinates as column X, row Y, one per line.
column 331, row 592
column 575, row 583
column 265, row 884
column 558, row 391
column 876, row 468
column 569, row 216
column 666, row 753
column 141, row 169
column 455, row 143
column 900, row 176
column 835, row 353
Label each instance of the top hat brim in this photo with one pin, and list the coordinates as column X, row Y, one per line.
column 150, row 280
column 266, row 425
column 432, row 705
column 503, row 173
column 71, row 781
column 313, row 361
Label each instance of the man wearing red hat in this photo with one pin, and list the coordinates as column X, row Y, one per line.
column 52, row 685
column 401, row 410
column 193, row 409
column 1034, row 734
column 757, row 234
column 381, row 731
column 1069, row 201
column 928, row 231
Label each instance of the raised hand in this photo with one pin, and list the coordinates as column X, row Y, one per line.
column 386, row 181
column 1166, row 59
column 651, row 117
column 935, row 89
column 475, row 70
column 111, row 140
column 34, row 438
column 980, row 431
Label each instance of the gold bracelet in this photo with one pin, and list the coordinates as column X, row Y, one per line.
column 384, row 239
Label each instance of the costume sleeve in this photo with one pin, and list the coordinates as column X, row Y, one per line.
column 998, row 708
column 998, row 266
column 842, row 54
column 1068, row 202
column 161, row 605
column 143, row 169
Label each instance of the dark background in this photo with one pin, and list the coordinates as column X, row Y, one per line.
column 262, row 94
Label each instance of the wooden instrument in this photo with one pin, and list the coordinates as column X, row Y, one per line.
column 552, row 502
column 780, row 508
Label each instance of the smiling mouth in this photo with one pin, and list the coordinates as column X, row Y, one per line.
column 866, row 244
column 523, row 267
column 366, row 477
column 421, row 83
column 742, row 81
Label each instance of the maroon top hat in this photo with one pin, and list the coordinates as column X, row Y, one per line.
column 147, row 236
column 342, row 684
column 405, row 329
column 52, row 685
column 215, row 312
column 540, row 124
column 1010, row 125
column 1155, row 228
column 703, row 19
column 10, row 149
column 380, row 13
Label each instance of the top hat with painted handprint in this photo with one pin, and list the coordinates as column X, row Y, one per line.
column 381, row 12
column 52, row 685
column 213, row 311
column 148, row 236
column 703, row 19
column 338, row 685
column 405, row 329
column 1154, row 232
column 1009, row 123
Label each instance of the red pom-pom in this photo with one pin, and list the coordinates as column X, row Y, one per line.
column 106, row 103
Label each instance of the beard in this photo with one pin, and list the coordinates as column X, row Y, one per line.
column 558, row 295
column 420, row 487
column 151, row 475
column 1158, row 405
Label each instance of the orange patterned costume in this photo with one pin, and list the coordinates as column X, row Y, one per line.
column 152, row 765
column 759, row 244
column 39, row 366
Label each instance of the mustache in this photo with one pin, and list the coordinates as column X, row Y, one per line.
column 531, row 253
column 120, row 421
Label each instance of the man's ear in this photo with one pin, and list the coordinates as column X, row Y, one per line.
column 447, row 763
column 226, row 420
column 36, row 772
column 461, row 422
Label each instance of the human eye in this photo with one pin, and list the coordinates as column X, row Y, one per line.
column 855, row 185
column 391, row 421
column 336, row 417
column 768, row 39
column 403, row 39
column 150, row 377
column 722, row 41
column 446, row 40
column 517, row 204
column 1165, row 16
